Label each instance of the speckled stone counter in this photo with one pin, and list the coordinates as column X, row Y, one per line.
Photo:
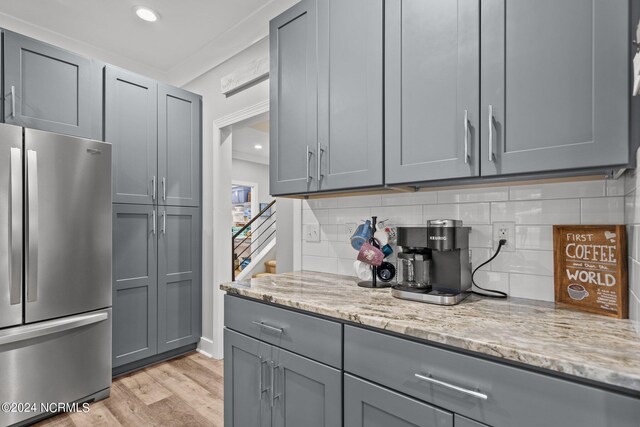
column 535, row 333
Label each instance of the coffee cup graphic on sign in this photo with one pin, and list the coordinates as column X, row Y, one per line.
column 577, row 292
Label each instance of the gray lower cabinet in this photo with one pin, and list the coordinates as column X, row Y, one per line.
column 369, row 405
column 246, row 386
column 555, row 83
column 267, row 386
column 350, row 94
column 179, row 127
column 131, row 125
column 293, row 111
column 135, row 283
column 179, row 290
column 49, row 88
column 432, row 91
column 305, row 392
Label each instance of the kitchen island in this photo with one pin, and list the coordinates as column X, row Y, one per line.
column 470, row 359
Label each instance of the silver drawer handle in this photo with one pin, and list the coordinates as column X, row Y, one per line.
column 475, row 394
column 268, row 327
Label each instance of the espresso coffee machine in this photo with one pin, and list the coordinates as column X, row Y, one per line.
column 434, row 264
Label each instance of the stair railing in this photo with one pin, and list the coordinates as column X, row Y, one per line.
column 270, row 218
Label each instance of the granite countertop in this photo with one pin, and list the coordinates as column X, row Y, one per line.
column 532, row 332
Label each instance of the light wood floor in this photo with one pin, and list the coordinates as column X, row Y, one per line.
column 186, row 391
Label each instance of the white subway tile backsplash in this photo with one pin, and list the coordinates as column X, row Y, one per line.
column 490, row 194
column 563, row 190
column 328, row 203
column 481, row 236
column 525, row 262
column 469, row 213
column 602, row 210
column 532, row 287
column 634, row 276
column 351, row 215
column 634, row 311
column 492, row 280
column 315, row 216
column 359, row 201
column 413, row 198
column 527, row 272
column 534, row 237
column 315, row 248
column 319, row 264
column 537, row 212
column 615, row 187
column 399, row 215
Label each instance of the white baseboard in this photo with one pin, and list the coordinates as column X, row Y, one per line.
column 207, row 348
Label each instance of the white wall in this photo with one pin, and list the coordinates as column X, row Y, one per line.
column 526, row 273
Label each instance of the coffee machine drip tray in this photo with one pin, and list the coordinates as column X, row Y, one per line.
column 427, row 295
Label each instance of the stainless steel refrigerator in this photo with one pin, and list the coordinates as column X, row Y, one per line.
column 55, row 271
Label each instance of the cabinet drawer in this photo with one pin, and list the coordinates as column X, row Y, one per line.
column 490, row 392
column 309, row 336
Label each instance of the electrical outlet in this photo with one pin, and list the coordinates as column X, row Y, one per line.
column 348, row 230
column 506, row 231
column 311, row 233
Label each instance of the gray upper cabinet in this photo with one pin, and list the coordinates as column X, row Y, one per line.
column 432, row 92
column 555, row 82
column 179, row 322
column 306, row 393
column 131, row 125
column 134, row 283
column 293, row 110
column 246, row 385
column 179, row 127
column 49, row 88
column 350, row 94
column 369, row 405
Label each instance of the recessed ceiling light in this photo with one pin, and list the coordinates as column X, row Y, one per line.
column 146, row 14
column 258, row 147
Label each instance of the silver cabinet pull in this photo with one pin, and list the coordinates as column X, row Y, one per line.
column 261, row 388
column 164, row 222
column 269, row 327
column 321, row 152
column 153, row 188
column 15, row 228
column 164, row 189
column 473, row 393
column 13, row 101
column 309, row 154
column 491, row 156
column 153, row 222
column 32, row 226
column 466, row 136
column 274, row 396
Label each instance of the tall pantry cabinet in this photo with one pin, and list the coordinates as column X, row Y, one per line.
column 155, row 132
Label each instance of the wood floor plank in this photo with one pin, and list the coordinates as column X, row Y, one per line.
column 174, row 412
column 127, row 408
column 145, row 387
column 186, row 391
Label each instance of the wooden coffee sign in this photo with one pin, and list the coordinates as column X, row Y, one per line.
column 591, row 268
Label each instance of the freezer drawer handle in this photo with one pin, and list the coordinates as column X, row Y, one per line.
column 47, row 328
column 32, row 227
column 473, row 393
column 268, row 327
column 15, row 232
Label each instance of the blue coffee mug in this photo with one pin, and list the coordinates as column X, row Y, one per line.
column 362, row 235
column 387, row 250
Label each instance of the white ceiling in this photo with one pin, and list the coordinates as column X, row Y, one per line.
column 190, row 37
column 246, row 135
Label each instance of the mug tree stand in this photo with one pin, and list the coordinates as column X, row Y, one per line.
column 374, row 282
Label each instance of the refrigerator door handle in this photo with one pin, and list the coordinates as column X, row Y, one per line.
column 32, row 226
column 15, row 225
column 23, row 333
